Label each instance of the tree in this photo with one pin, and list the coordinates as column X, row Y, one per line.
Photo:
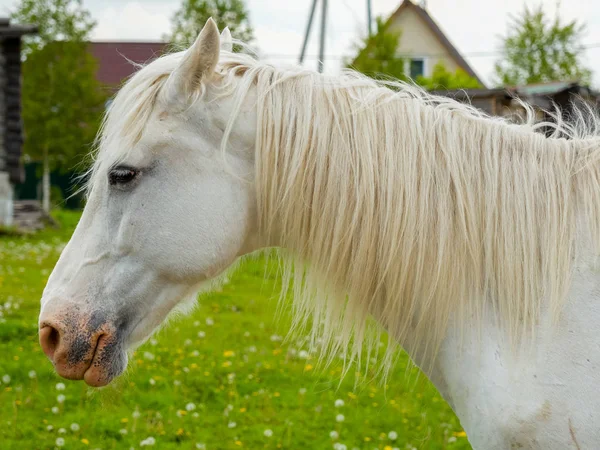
column 378, row 54
column 62, row 100
column 193, row 14
column 442, row 78
column 539, row 49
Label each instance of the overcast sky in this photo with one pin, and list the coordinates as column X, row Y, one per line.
column 473, row 26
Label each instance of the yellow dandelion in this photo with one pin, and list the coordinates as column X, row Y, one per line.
column 367, row 439
column 460, row 434
column 276, row 394
column 85, row 441
column 387, row 447
column 277, row 351
column 124, row 420
column 228, row 353
column 242, row 410
column 180, row 432
column 239, row 443
column 308, row 367
column 226, row 364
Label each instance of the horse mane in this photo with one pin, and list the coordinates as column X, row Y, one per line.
column 392, row 203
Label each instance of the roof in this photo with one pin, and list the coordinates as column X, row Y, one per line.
column 439, row 34
column 115, row 58
column 8, row 30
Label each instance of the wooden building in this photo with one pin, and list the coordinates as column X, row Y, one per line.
column 11, row 125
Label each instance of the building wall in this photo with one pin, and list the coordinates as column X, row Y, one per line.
column 418, row 40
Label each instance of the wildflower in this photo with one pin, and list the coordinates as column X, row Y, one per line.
column 123, row 431
column 61, row 431
column 49, row 428
column 75, row 427
column 60, row 442
column 187, row 342
column 190, row 407
column 60, row 386
column 231, row 425
column 238, row 443
column 334, row 435
column 209, row 321
column 32, row 374
column 149, row 356
column 338, row 446
column 201, row 334
column 339, row 403
column 6, row 379
column 149, row 441
column 268, row 433
column 339, row 418
column 460, row 434
column 54, row 410
column 228, row 353
column 387, row 447
column 392, row 435
column 452, row 439
column 303, row 354
column 85, row 441
column 152, row 381
column 60, row 398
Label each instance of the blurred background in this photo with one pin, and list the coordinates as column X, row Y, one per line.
column 224, row 377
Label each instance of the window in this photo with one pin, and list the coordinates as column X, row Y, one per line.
column 417, row 68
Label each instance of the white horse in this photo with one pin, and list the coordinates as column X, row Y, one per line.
column 470, row 240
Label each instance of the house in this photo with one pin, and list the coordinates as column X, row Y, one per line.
column 423, row 43
column 11, row 128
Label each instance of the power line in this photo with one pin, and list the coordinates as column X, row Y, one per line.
column 477, row 54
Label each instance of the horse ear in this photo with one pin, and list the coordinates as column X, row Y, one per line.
column 200, row 60
column 226, row 40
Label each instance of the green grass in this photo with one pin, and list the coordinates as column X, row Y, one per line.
column 220, row 377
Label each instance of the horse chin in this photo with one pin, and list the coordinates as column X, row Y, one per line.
column 109, row 362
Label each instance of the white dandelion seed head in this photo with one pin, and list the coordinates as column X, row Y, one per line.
column 55, row 410
column 123, row 431
column 340, row 418
column 334, row 435
column 6, row 379
column 61, row 431
column 231, row 425
column 339, row 403
column 303, row 354
column 32, row 374
column 392, row 435
column 60, row 442
column 201, row 334
column 209, row 321
column 268, row 433
column 60, row 386
column 60, row 398
column 302, row 391
column 50, row 428
column 148, row 442
column 75, row 427
column 136, row 414
column 152, row 381
column 201, row 446
column 190, row 407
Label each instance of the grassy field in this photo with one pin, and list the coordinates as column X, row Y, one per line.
column 221, row 378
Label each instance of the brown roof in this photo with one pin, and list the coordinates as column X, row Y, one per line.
column 115, row 58
column 439, row 34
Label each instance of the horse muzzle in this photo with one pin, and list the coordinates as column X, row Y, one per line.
column 82, row 346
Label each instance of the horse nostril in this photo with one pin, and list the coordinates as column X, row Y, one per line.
column 49, row 340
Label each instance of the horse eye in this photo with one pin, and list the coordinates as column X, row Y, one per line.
column 122, row 175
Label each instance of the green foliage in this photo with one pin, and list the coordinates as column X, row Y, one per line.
column 62, row 103
column 219, row 377
column 539, row 49
column 62, row 100
column 442, row 78
column 377, row 55
column 57, row 20
column 193, row 14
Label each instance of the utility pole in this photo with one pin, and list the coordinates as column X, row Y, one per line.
column 322, row 40
column 369, row 19
column 308, row 27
